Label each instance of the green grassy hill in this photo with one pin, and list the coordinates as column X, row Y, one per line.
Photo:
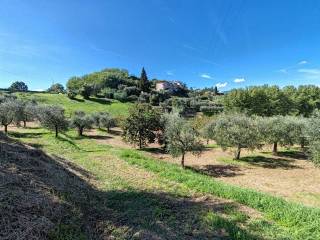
column 116, row 108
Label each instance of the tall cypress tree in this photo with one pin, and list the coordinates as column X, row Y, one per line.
column 215, row 91
column 144, row 83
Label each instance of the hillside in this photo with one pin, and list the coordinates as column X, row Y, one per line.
column 108, row 192
column 115, row 107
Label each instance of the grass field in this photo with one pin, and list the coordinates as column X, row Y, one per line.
column 138, row 197
column 116, row 108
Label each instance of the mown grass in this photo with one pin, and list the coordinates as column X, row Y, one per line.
column 116, row 108
column 303, row 222
column 143, row 192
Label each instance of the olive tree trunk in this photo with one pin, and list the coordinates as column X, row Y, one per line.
column 80, row 131
column 237, row 153
column 275, row 148
column 56, row 130
column 140, row 142
column 182, row 160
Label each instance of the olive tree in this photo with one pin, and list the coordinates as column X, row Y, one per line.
column 25, row 112
column 277, row 130
column 103, row 119
column 181, row 137
column 52, row 117
column 80, row 120
column 237, row 131
column 207, row 132
column 107, row 121
column 8, row 110
column 297, row 130
column 313, row 136
column 141, row 126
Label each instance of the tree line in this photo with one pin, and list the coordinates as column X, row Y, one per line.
column 273, row 100
column 178, row 135
column 52, row 117
column 234, row 131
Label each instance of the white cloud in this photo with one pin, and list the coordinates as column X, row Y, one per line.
column 313, row 71
column 221, row 85
column 310, row 73
column 169, row 73
column 207, row 76
column 302, row 62
column 283, row 70
column 239, row 80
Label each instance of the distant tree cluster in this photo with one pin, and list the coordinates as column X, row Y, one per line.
column 272, row 100
column 18, row 87
column 114, row 83
column 56, row 88
column 109, row 82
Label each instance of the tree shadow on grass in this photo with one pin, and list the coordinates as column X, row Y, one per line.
column 217, row 170
column 26, row 134
column 66, row 138
column 48, row 197
column 100, row 100
column 293, row 154
column 114, row 132
column 96, row 137
column 154, row 150
column 269, row 162
column 77, row 99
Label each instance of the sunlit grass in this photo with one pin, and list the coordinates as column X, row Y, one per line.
column 132, row 172
column 116, row 108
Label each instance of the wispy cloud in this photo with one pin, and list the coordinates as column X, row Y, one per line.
column 309, row 70
column 239, row 80
column 310, row 73
column 189, row 47
column 283, row 70
column 208, row 61
column 104, row 51
column 286, row 70
column 170, row 73
column 221, row 85
column 207, row 76
column 302, row 62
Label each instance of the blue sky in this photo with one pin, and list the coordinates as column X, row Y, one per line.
column 228, row 43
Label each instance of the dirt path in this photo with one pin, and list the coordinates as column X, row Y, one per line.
column 290, row 176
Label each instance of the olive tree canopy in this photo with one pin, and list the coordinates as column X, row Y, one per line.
column 80, row 120
column 52, row 117
column 237, row 131
column 8, row 111
column 181, row 137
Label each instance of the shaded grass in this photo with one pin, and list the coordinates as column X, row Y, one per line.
column 303, row 222
column 269, row 162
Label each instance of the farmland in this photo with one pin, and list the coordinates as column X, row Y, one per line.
column 141, row 192
column 97, row 185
